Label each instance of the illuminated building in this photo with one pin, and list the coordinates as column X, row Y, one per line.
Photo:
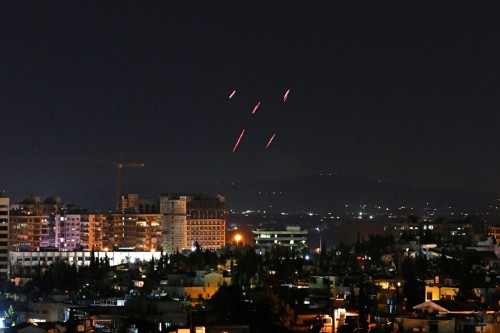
column 68, row 227
column 27, row 231
column 494, row 232
column 174, row 213
column 32, row 223
column 141, row 232
column 417, row 229
column 292, row 237
column 75, row 231
column 191, row 219
column 32, row 259
column 4, row 235
column 92, row 230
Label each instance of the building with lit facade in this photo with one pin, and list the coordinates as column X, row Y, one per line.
column 174, row 211
column 292, row 237
column 494, row 232
column 4, row 235
column 92, row 230
column 191, row 219
column 32, row 223
column 180, row 222
column 141, row 232
column 23, row 261
column 76, row 231
column 68, row 231
column 420, row 230
column 27, row 231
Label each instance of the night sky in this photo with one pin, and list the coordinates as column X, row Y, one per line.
column 400, row 91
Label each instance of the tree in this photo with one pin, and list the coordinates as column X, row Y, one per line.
column 283, row 317
column 227, row 305
column 412, row 289
column 10, row 316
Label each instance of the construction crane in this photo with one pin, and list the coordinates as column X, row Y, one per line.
column 119, row 171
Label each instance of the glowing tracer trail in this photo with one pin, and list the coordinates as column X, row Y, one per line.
column 232, row 94
column 285, row 97
column 270, row 140
column 255, row 108
column 238, row 141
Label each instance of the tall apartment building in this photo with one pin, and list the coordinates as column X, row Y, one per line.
column 188, row 219
column 69, row 231
column 32, row 223
column 79, row 231
column 174, row 210
column 27, row 231
column 92, row 231
column 141, row 232
column 4, row 235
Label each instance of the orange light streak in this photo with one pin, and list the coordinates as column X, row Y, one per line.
column 238, row 141
column 270, row 140
column 255, row 108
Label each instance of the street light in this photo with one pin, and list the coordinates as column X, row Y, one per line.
column 237, row 239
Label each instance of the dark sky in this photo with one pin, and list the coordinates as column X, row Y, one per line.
column 401, row 91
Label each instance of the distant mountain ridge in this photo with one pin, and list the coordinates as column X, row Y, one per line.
column 307, row 193
column 317, row 193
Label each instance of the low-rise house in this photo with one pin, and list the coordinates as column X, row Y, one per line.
column 46, row 312
column 198, row 286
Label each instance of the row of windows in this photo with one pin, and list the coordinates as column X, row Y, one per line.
column 51, row 259
column 206, row 233
column 207, row 238
column 204, row 222
column 211, row 244
column 205, row 227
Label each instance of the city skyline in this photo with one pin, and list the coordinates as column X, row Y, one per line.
column 404, row 93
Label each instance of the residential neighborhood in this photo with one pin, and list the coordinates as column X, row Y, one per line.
column 413, row 275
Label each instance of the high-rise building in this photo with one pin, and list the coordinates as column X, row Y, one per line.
column 79, row 231
column 4, row 235
column 92, row 231
column 191, row 219
column 174, row 223
column 68, row 231
column 206, row 223
column 141, row 232
column 25, row 231
column 32, row 223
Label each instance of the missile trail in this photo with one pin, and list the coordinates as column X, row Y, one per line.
column 255, row 108
column 270, row 140
column 238, row 141
column 285, row 97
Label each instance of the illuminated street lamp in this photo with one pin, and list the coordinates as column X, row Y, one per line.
column 237, row 239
